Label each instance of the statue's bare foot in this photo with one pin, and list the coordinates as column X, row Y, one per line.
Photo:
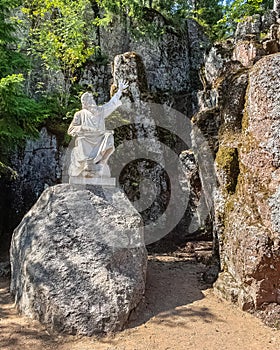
column 88, row 174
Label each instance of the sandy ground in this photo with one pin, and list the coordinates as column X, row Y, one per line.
column 179, row 312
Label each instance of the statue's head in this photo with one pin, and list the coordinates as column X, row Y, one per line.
column 87, row 100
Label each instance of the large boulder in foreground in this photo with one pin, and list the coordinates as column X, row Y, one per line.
column 78, row 260
column 249, row 171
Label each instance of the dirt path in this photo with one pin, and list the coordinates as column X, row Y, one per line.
column 178, row 314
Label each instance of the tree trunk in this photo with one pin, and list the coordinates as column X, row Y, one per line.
column 95, row 9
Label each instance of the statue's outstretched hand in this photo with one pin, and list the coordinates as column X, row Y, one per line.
column 123, row 84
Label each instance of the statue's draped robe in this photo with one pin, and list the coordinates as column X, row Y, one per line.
column 90, row 146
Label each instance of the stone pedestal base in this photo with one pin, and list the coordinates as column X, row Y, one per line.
column 98, row 181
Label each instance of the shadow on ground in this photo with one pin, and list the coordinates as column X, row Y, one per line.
column 172, row 284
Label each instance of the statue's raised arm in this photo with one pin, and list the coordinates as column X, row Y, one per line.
column 115, row 101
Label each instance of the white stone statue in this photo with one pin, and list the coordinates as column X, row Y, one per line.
column 93, row 143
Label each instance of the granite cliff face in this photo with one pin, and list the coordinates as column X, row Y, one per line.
column 38, row 165
column 172, row 59
column 239, row 115
column 250, row 239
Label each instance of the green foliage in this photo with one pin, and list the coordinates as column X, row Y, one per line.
column 208, row 13
column 240, row 8
column 59, row 34
column 9, row 56
column 19, row 114
column 129, row 8
column 55, row 107
column 128, row 11
column 236, row 11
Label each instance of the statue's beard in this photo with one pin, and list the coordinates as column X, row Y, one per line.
column 92, row 108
